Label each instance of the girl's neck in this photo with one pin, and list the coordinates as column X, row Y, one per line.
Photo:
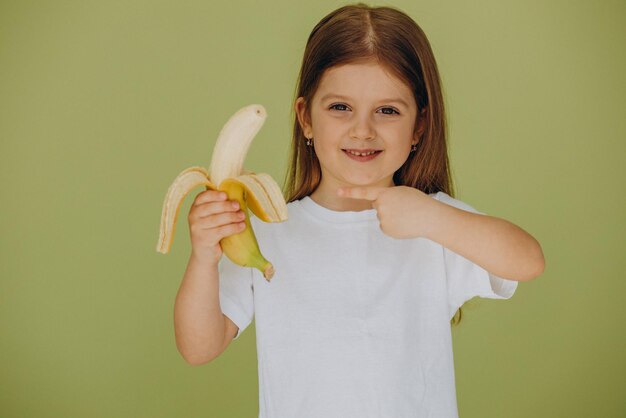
column 339, row 204
column 326, row 196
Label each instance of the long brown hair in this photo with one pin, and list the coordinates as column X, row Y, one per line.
column 355, row 33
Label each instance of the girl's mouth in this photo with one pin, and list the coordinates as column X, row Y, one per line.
column 364, row 156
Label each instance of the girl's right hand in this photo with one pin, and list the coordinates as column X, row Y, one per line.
column 212, row 218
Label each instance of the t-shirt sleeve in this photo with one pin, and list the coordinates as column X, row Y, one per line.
column 236, row 293
column 466, row 279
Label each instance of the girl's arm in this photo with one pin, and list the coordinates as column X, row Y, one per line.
column 202, row 331
column 199, row 323
column 497, row 245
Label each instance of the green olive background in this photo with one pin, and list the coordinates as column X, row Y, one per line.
column 103, row 103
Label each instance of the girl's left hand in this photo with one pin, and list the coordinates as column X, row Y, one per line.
column 403, row 212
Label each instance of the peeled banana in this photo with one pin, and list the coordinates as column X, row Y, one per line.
column 257, row 192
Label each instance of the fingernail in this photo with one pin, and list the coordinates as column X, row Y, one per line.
column 235, row 205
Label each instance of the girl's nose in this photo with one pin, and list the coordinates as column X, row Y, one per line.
column 362, row 128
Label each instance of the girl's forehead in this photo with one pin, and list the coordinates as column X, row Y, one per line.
column 364, row 69
column 370, row 80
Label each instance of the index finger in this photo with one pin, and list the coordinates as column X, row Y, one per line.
column 209, row 196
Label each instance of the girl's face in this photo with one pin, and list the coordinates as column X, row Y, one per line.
column 359, row 107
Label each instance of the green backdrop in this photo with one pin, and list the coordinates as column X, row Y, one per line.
column 103, row 103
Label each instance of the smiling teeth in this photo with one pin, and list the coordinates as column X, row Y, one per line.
column 361, row 154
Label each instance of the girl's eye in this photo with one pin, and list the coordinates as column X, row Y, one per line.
column 335, row 105
column 393, row 111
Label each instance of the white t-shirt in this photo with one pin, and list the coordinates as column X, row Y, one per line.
column 354, row 323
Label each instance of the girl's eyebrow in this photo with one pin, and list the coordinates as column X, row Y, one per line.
column 338, row 96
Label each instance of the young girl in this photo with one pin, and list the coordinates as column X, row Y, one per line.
column 376, row 257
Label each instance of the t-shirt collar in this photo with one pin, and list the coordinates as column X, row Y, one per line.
column 321, row 212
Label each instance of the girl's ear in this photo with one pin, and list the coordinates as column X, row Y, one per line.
column 303, row 118
column 421, row 125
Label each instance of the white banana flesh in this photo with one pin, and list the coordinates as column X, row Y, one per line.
column 234, row 141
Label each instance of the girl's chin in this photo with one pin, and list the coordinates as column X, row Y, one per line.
column 351, row 179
